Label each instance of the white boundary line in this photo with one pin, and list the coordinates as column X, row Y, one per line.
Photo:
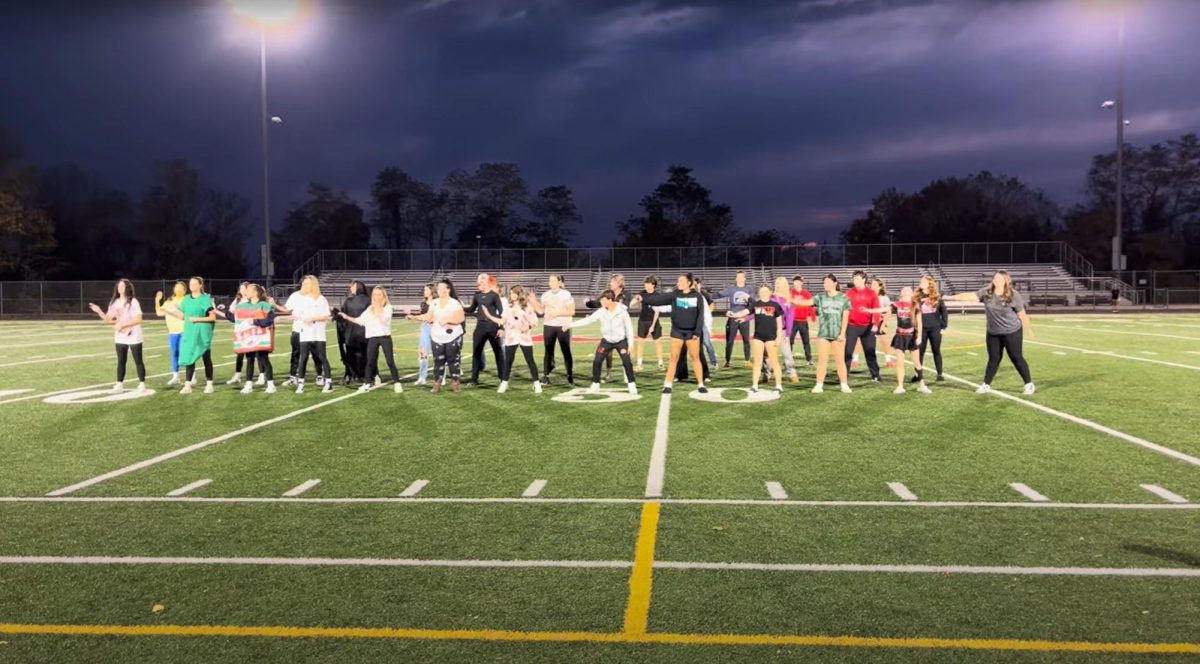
column 1169, row 496
column 198, row 446
column 301, row 488
column 1175, row 454
column 1029, row 493
column 938, row 569
column 189, row 488
column 43, row 359
column 658, row 454
column 902, row 491
column 1132, row 334
column 414, row 488
column 1006, row 570
column 1103, row 353
column 534, row 489
column 775, row 489
column 87, row 500
column 42, row 395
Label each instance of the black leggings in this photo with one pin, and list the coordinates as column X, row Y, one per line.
column 123, row 352
column 867, row 334
column 486, row 333
column 552, row 335
column 447, row 358
column 1012, row 344
column 317, row 350
column 605, row 350
column 374, row 345
column 932, row 337
column 510, row 354
column 263, row 358
column 208, row 369
column 801, row 327
column 734, row 327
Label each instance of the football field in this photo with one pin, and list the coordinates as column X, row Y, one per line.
column 563, row 527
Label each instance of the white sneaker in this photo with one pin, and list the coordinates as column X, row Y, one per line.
column 141, row 388
column 594, row 389
column 633, row 388
column 378, row 381
column 248, row 388
column 537, row 387
column 399, row 388
column 899, row 390
column 983, row 389
column 924, row 390
column 262, row 380
column 364, row 388
column 1029, row 388
column 328, row 386
column 117, row 388
column 235, row 380
column 187, row 389
column 271, row 389
column 818, row 388
column 420, row 382
column 208, row 388
column 846, row 389
column 174, row 380
column 778, row 389
column 290, row 382
column 661, row 366
column 504, row 387
column 320, row 380
column 299, row 387
column 753, row 389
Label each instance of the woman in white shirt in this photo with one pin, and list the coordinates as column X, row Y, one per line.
column 447, row 317
column 519, row 321
column 377, row 321
column 124, row 313
column 312, row 312
column 558, row 307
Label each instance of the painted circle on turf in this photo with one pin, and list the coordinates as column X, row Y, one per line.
column 96, row 396
column 717, row 395
column 580, row 395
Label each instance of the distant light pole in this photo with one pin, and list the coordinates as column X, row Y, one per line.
column 1119, row 105
column 479, row 251
column 267, row 14
column 891, row 246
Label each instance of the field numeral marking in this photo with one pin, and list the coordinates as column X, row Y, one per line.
column 1169, row 496
column 414, row 488
column 1029, row 493
column 776, row 491
column 301, row 489
column 189, row 488
column 534, row 489
column 901, row 491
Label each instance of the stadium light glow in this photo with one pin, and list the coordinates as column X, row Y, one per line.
column 272, row 14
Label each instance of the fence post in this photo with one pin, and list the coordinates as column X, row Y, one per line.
column 81, row 297
column 41, row 298
column 1, row 298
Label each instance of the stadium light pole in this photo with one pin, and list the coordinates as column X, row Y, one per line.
column 267, row 15
column 1119, row 105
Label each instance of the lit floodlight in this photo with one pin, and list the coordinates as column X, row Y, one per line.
column 271, row 13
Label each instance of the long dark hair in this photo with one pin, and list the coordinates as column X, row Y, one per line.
column 450, row 285
column 129, row 297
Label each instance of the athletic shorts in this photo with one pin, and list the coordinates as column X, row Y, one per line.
column 766, row 341
column 903, row 342
column 684, row 335
column 644, row 330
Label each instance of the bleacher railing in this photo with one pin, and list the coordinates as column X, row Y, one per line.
column 656, row 258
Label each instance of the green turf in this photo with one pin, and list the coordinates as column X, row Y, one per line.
column 950, row 446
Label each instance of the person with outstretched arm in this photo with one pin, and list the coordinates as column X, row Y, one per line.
column 687, row 320
column 487, row 295
column 616, row 331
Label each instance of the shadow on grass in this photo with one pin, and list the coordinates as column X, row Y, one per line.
column 1187, row 559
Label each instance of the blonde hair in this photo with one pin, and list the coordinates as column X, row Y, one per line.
column 316, row 285
column 1007, row 295
column 784, row 291
column 386, row 300
column 619, row 278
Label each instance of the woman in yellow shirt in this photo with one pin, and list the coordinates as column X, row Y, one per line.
column 169, row 310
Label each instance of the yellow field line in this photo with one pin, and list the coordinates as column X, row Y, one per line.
column 641, row 579
column 600, row 637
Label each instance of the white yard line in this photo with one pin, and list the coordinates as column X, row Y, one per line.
column 1029, row 493
column 937, row 569
column 535, row 488
column 1103, row 331
column 41, row 359
column 41, row 395
column 198, row 446
column 1141, row 442
column 310, row 562
column 414, row 488
column 902, row 491
column 188, row 488
column 301, row 488
column 1104, row 353
column 1169, row 496
column 200, row 500
column 775, row 489
column 658, row 454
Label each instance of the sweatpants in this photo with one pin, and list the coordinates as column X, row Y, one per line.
column 734, row 327
column 1013, row 344
column 374, row 345
column 866, row 333
column 605, row 350
column 123, row 353
column 801, row 328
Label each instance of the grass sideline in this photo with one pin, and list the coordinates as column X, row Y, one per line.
column 836, row 457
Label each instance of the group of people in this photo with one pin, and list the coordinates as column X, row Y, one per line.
column 768, row 318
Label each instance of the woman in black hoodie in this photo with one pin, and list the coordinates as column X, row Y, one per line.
column 687, row 325
column 352, row 339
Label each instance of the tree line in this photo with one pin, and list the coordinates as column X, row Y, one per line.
column 64, row 222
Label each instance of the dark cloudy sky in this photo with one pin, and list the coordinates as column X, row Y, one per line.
column 796, row 113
